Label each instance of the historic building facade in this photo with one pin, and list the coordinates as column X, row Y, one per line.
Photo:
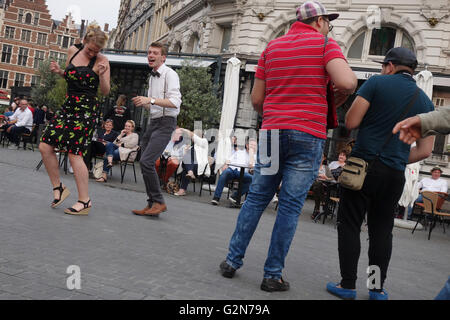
column 365, row 30
column 28, row 36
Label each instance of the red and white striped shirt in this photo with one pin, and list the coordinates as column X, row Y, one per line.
column 293, row 67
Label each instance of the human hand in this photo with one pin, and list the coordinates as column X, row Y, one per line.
column 410, row 129
column 340, row 97
column 54, row 67
column 140, row 101
column 102, row 68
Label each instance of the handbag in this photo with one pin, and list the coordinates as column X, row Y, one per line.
column 355, row 169
column 98, row 170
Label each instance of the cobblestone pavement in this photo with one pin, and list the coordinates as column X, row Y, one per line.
column 176, row 256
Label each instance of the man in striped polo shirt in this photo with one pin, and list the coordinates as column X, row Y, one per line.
column 290, row 92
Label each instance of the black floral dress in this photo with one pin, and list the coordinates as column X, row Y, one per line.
column 72, row 130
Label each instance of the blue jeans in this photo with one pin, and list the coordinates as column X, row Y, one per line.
column 298, row 164
column 111, row 150
column 410, row 209
column 230, row 174
column 445, row 292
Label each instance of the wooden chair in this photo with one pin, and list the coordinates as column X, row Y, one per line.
column 432, row 209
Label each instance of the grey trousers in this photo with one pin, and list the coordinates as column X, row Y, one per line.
column 153, row 143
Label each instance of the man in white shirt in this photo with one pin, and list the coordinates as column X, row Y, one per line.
column 20, row 122
column 231, row 170
column 163, row 101
column 433, row 184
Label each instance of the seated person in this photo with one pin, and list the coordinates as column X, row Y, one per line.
column 252, row 153
column 433, row 184
column 319, row 187
column 231, row 170
column 126, row 142
column 172, row 155
column 104, row 135
column 336, row 167
column 195, row 161
column 20, row 122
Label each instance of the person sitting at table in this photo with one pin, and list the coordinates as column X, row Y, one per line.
column 126, row 142
column 433, row 184
column 104, row 135
column 319, row 187
column 231, row 170
column 336, row 167
column 195, row 161
column 172, row 155
column 252, row 152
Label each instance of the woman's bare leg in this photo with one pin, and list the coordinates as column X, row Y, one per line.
column 81, row 175
column 51, row 165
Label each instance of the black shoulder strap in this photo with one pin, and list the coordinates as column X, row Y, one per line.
column 405, row 112
column 80, row 47
column 92, row 62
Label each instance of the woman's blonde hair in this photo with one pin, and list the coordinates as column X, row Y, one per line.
column 132, row 123
column 94, row 33
column 121, row 100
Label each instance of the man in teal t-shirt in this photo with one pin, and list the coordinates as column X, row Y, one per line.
column 380, row 103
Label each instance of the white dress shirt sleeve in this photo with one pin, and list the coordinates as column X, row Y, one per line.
column 173, row 88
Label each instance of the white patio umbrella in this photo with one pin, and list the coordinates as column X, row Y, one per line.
column 424, row 80
column 229, row 109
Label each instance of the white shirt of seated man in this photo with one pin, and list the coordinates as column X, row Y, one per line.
column 435, row 183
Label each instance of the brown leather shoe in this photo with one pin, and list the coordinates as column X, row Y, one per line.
column 156, row 209
column 141, row 212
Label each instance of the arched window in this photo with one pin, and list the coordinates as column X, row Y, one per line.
column 283, row 30
column 193, row 46
column 28, row 18
column 375, row 43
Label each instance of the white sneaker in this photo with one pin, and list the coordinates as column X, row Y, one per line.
column 70, row 169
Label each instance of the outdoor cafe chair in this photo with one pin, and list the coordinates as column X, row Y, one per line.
column 432, row 210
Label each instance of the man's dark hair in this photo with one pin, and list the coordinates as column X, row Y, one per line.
column 160, row 45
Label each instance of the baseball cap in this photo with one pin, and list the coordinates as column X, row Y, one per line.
column 399, row 55
column 311, row 9
column 436, row 168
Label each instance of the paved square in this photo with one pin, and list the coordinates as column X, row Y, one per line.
column 176, row 256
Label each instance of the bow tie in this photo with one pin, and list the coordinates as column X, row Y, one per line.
column 154, row 74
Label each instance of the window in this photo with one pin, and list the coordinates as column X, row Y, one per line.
column 381, row 41
column 9, row 32
column 20, row 15
column 38, row 58
column 20, row 80
column 42, row 39
column 226, row 38
column 35, row 80
column 58, row 57
column 28, row 18
column 6, row 53
column 23, row 57
column 36, row 19
column 3, row 79
column 65, row 43
column 375, row 43
column 72, row 40
column 26, row 35
column 439, row 102
column 59, row 40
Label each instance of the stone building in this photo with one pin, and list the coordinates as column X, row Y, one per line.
column 365, row 30
column 28, row 36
